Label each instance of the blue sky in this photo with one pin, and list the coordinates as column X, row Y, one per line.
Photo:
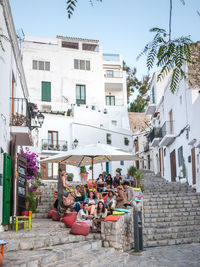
column 121, row 26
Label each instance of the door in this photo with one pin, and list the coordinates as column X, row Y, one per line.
column 6, row 188
column 173, row 165
column 193, row 166
column 160, row 167
column 149, row 162
column 53, row 140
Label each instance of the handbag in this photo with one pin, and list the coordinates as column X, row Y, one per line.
column 68, row 201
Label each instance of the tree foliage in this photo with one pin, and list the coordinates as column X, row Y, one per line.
column 71, row 5
column 134, row 85
column 169, row 55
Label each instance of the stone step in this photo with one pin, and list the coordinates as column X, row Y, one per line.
column 186, row 219
column 167, row 224
column 51, row 255
column 168, row 242
column 170, row 214
column 97, row 258
column 171, row 230
column 40, row 215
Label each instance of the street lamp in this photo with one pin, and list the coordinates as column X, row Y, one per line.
column 75, row 143
column 40, row 118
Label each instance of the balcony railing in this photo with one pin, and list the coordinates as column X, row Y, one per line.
column 113, row 74
column 155, row 133
column 146, row 147
column 20, row 114
column 111, row 57
column 60, row 145
column 167, row 128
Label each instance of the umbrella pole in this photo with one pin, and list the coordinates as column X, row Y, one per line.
column 92, row 172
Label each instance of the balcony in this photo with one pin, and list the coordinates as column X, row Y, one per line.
column 167, row 132
column 146, row 147
column 20, row 121
column 155, row 136
column 58, row 146
column 151, row 108
column 113, row 74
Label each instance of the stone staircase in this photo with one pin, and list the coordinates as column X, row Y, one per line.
column 171, row 212
column 50, row 244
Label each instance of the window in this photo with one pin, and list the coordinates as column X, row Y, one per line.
column 110, row 100
column 114, row 123
column 126, row 141
column 122, row 163
column 52, row 170
column 180, row 156
column 41, row 65
column 52, row 140
column 80, row 64
column 71, row 45
column 109, row 73
column 46, row 91
column 108, row 139
column 90, row 47
column 80, row 94
column 153, row 95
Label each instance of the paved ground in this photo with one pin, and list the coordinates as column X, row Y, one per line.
column 187, row 255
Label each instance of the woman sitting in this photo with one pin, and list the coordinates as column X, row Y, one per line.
column 121, row 198
column 111, row 201
column 92, row 203
column 100, row 214
column 100, row 183
column 83, row 215
column 109, row 179
column 99, row 197
column 83, row 192
column 78, row 198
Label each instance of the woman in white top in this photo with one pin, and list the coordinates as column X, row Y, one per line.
column 83, row 215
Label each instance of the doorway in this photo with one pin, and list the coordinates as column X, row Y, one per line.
column 173, row 165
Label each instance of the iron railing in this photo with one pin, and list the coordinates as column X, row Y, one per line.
column 155, row 133
column 20, row 113
column 167, row 128
column 59, row 145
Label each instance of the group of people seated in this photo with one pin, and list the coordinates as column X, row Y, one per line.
column 100, row 200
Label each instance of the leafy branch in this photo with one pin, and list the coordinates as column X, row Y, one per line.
column 71, row 5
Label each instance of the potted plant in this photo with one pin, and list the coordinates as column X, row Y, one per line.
column 93, row 107
column 70, row 177
column 83, row 173
column 51, row 147
column 138, row 178
column 132, row 171
column 65, row 147
column 45, row 146
column 118, row 170
column 58, row 147
column 105, row 111
column 69, row 112
column 126, row 141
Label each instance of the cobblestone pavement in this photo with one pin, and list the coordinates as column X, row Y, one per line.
column 187, row 255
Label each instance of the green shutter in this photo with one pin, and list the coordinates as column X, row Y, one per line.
column 6, row 188
column 46, row 91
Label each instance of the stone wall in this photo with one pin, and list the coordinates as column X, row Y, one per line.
column 120, row 234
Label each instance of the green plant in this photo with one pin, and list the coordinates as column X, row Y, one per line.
column 71, row 4
column 83, row 169
column 69, row 112
column 37, row 181
column 118, row 170
column 70, row 176
column 31, row 198
column 132, row 171
column 104, row 174
column 65, row 147
column 138, row 178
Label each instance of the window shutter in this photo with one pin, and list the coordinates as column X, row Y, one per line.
column 47, row 65
column 46, row 91
column 76, row 64
column 82, row 64
column 87, row 65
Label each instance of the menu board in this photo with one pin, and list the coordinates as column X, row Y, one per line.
column 21, row 184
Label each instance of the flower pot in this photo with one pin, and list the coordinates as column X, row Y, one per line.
column 84, row 176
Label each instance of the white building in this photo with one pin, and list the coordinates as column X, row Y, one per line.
column 175, row 138
column 140, row 126
column 81, row 92
column 14, row 132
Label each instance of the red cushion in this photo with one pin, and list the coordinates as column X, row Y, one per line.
column 50, row 213
column 80, row 228
column 112, row 218
column 55, row 215
column 69, row 219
